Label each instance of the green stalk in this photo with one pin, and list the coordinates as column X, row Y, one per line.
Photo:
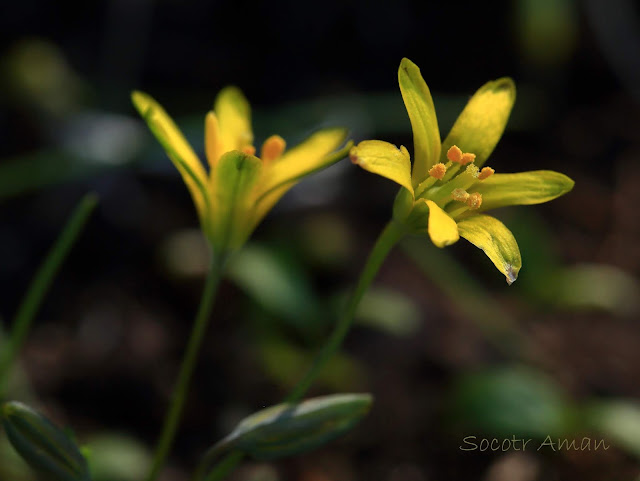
column 179, row 395
column 40, row 285
column 389, row 237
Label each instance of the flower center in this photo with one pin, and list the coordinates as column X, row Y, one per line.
column 443, row 186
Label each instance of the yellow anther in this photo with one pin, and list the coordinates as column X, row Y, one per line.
column 472, row 170
column 474, row 201
column 438, row 171
column 272, row 148
column 467, row 158
column 485, row 172
column 454, row 154
column 249, row 149
column 460, row 195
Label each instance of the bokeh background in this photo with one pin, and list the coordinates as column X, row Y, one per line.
column 445, row 346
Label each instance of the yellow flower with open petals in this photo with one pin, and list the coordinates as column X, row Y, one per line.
column 240, row 188
column 448, row 188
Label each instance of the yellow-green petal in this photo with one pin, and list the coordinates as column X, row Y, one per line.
column 314, row 153
column 442, row 228
column 419, row 104
column 384, row 159
column 235, row 176
column 481, row 124
column 493, row 237
column 176, row 147
column 524, row 188
column 234, row 119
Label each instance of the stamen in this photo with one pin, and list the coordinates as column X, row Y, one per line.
column 472, row 170
column 460, row 195
column 454, row 154
column 474, row 201
column 467, row 158
column 249, row 149
column 438, row 171
column 485, row 173
column 272, row 148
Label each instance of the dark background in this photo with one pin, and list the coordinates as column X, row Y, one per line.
column 447, row 350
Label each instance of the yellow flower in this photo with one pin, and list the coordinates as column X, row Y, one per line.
column 240, row 188
column 448, row 188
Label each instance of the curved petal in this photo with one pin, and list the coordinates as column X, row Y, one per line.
column 481, row 124
column 493, row 237
column 213, row 147
column 176, row 147
column 384, row 159
column 235, row 177
column 524, row 188
column 419, row 104
column 312, row 154
column 234, row 119
column 442, row 228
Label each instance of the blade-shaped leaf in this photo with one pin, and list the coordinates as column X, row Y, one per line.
column 287, row 429
column 45, row 447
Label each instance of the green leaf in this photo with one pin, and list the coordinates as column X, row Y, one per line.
column 234, row 178
column 384, row 159
column 117, row 457
column 278, row 284
column 287, row 429
column 44, row 447
column 511, row 401
column 419, row 104
column 619, row 421
column 525, row 188
column 481, row 124
column 492, row 236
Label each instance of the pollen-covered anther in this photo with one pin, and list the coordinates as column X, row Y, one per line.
column 460, row 195
column 474, row 201
column 472, row 170
column 272, row 148
column 485, row 172
column 249, row 149
column 467, row 158
column 454, row 154
column 438, row 171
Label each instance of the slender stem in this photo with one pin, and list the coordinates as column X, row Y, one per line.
column 40, row 285
column 181, row 389
column 224, row 467
column 389, row 237
column 391, row 234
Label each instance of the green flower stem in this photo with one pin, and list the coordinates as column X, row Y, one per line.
column 389, row 237
column 40, row 285
column 222, row 469
column 179, row 395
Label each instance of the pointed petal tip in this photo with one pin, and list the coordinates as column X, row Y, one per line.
column 511, row 274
